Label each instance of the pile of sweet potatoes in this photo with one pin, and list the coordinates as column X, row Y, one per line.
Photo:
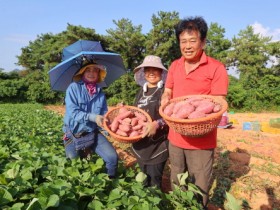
column 128, row 123
column 191, row 108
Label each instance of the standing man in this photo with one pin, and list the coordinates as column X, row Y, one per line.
column 193, row 74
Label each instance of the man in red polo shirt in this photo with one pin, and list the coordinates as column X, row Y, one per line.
column 193, row 74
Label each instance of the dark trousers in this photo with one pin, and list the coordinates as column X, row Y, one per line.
column 154, row 174
column 198, row 163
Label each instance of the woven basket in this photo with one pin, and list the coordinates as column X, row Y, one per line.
column 195, row 127
column 110, row 116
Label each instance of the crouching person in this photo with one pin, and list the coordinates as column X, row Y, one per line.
column 85, row 106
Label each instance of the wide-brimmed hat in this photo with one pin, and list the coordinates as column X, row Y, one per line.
column 149, row 61
column 102, row 73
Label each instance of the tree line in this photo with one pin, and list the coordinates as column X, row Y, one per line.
column 254, row 57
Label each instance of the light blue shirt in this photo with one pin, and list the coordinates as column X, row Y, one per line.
column 81, row 108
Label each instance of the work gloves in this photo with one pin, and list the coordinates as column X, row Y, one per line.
column 151, row 129
column 98, row 119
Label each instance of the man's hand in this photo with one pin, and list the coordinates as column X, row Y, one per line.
column 151, row 129
column 166, row 96
column 164, row 100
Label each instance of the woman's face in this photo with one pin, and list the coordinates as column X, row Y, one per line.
column 152, row 75
column 92, row 73
column 191, row 46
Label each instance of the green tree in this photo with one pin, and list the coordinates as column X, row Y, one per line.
column 161, row 40
column 128, row 41
column 250, row 55
column 274, row 52
column 46, row 51
column 217, row 45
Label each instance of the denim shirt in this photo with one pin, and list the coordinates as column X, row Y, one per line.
column 80, row 105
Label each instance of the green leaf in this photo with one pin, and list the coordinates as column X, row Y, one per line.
column 86, row 176
column 133, row 200
column 5, row 196
column 53, row 201
column 13, row 172
column 183, row 178
column 140, row 177
column 232, row 203
column 72, row 172
column 3, row 179
column 26, row 174
column 34, row 205
column 17, row 206
column 115, row 194
column 95, row 205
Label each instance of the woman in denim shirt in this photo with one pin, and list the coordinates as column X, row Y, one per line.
column 85, row 106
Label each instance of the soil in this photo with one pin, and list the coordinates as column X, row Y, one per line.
column 252, row 167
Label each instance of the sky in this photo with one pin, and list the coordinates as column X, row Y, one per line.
column 21, row 21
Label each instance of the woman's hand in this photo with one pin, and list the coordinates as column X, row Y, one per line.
column 99, row 120
column 151, row 129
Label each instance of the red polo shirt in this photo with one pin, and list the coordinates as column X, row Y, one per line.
column 209, row 78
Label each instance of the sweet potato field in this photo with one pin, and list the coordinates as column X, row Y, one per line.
column 34, row 173
column 247, row 163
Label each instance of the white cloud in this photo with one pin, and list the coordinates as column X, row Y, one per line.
column 266, row 31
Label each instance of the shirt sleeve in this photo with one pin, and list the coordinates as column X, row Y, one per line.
column 220, row 81
column 72, row 104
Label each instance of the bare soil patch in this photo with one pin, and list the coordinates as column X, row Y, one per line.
column 247, row 161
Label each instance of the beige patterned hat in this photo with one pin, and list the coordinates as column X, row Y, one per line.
column 149, row 61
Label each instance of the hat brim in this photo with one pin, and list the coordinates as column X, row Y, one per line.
column 101, row 77
column 143, row 65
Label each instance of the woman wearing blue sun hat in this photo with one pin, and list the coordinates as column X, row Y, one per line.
column 85, row 107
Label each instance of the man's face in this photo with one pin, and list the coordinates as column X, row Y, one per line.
column 191, row 46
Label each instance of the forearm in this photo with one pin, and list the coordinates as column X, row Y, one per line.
column 166, row 96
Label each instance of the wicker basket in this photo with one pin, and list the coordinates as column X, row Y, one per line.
column 111, row 114
column 195, row 127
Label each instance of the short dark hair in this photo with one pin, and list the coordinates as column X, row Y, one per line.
column 192, row 24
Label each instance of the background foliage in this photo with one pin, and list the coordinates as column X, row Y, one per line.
column 254, row 57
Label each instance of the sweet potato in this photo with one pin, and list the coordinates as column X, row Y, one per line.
column 134, row 121
column 196, row 103
column 196, row 114
column 133, row 133
column 126, row 120
column 122, row 110
column 140, row 116
column 168, row 110
column 124, row 127
column 185, row 111
column 137, row 127
column 206, row 107
column 123, row 115
column 141, row 122
column 114, row 125
column 178, row 106
column 121, row 133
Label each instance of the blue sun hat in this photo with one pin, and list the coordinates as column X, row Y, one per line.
column 149, row 61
